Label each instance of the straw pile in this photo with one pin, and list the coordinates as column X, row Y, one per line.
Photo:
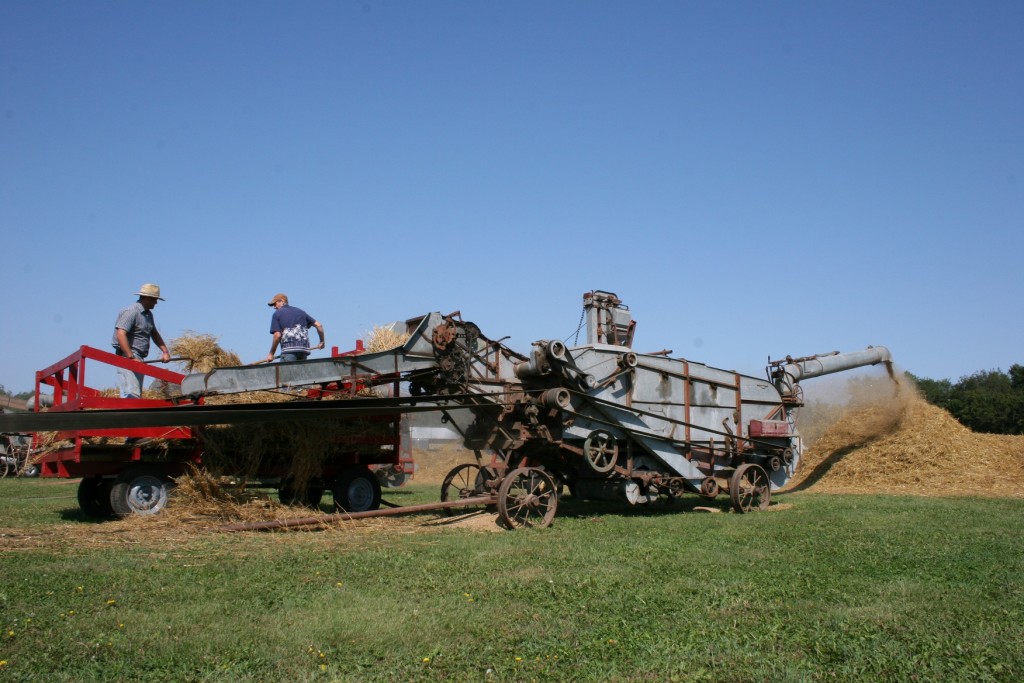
column 201, row 352
column 900, row 444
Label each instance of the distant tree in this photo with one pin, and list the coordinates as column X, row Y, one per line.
column 1017, row 376
column 935, row 392
column 988, row 401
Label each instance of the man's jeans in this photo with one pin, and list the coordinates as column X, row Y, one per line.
column 130, row 383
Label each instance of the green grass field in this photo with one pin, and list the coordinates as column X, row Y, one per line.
column 848, row 588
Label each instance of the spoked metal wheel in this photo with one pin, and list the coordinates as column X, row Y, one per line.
column 468, row 480
column 750, row 488
column 601, row 451
column 527, row 497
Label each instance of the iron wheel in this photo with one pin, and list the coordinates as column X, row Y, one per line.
column 527, row 497
column 468, row 480
column 750, row 488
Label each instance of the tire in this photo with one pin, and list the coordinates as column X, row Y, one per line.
column 94, row 497
column 311, row 497
column 357, row 490
column 388, row 478
column 140, row 490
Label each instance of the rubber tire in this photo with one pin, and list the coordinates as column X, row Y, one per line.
column 311, row 499
column 390, row 479
column 140, row 490
column 94, row 497
column 357, row 490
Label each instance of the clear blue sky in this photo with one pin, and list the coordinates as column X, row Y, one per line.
column 753, row 179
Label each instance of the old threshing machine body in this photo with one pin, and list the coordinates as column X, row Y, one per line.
column 600, row 418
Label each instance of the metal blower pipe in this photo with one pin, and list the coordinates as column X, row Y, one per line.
column 825, row 364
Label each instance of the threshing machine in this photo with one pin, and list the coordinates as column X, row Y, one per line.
column 601, row 419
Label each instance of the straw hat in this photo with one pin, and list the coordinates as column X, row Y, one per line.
column 278, row 297
column 150, row 290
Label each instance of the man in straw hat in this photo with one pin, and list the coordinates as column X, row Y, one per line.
column 290, row 327
column 132, row 332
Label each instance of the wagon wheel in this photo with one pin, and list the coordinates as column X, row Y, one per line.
column 94, row 496
column 601, row 451
column 356, row 490
column 310, row 497
column 527, row 497
column 388, row 477
column 749, row 488
column 140, row 490
column 468, row 480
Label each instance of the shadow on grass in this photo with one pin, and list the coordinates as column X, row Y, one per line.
column 77, row 515
column 579, row 508
column 822, row 469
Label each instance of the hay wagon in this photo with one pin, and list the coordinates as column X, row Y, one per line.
column 129, row 467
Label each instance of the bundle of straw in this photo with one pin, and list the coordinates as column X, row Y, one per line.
column 201, row 352
column 383, row 338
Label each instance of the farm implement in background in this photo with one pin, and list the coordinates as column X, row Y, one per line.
column 600, row 419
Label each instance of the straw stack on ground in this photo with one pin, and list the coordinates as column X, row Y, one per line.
column 900, row 444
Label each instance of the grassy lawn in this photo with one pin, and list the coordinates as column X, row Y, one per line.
column 860, row 588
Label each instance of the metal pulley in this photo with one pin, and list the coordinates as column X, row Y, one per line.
column 709, row 487
column 601, row 451
column 444, row 334
column 555, row 398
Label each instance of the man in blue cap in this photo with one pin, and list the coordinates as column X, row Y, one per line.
column 290, row 327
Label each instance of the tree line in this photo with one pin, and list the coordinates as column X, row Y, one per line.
column 990, row 401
